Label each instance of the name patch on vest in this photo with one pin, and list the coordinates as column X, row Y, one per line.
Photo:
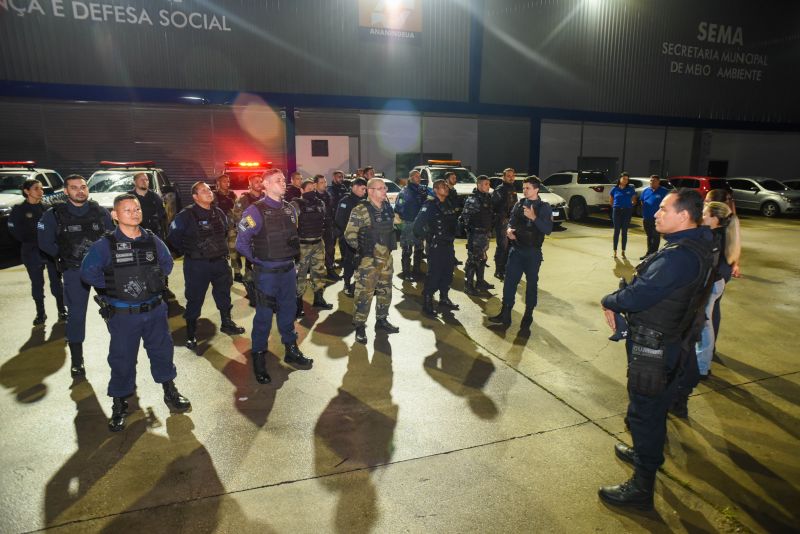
column 133, row 288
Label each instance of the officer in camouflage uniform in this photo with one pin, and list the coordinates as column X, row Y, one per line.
column 343, row 209
column 370, row 231
column 255, row 192
column 311, row 225
column 477, row 219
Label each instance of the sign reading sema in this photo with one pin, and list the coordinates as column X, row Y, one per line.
column 395, row 20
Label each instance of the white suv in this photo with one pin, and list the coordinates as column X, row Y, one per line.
column 585, row 191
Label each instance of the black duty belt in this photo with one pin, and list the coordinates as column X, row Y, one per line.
column 200, row 258
column 141, row 308
column 273, row 270
column 310, row 241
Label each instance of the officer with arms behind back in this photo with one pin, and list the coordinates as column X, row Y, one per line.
column 200, row 233
column 66, row 231
column 531, row 219
column 409, row 202
column 268, row 239
column 343, row 210
column 661, row 304
column 128, row 267
column 437, row 220
column 22, row 226
column 370, row 231
column 311, row 225
column 478, row 221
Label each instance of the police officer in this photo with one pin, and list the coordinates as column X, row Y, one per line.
column 531, row 219
column 503, row 199
column 311, row 225
column 225, row 199
column 321, row 185
column 268, row 239
column 66, row 231
column 293, row 189
column 337, row 190
column 22, row 226
column 438, row 220
column 343, row 210
column 409, row 203
column 661, row 303
column 477, row 219
column 370, row 231
column 254, row 193
column 128, row 267
column 154, row 216
column 200, row 233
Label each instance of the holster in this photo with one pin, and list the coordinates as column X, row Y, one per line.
column 647, row 370
column 106, row 311
column 262, row 299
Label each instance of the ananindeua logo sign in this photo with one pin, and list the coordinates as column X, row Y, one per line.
column 390, row 20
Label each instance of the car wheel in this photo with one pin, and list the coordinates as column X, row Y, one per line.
column 577, row 208
column 770, row 209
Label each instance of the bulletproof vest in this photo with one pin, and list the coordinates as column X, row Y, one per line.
column 337, row 191
column 292, row 193
column 526, row 232
column 326, row 201
column 246, row 200
column 225, row 202
column 413, row 202
column 209, row 240
column 134, row 274
column 673, row 315
column 31, row 215
column 76, row 233
column 455, row 200
column 443, row 222
column 509, row 196
column 278, row 238
column 311, row 216
column 343, row 209
column 482, row 219
column 380, row 230
column 149, row 203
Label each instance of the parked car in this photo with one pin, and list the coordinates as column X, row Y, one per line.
column 437, row 168
column 116, row 177
column 792, row 183
column 392, row 190
column 12, row 175
column 558, row 204
column 585, row 191
column 767, row 195
column 642, row 183
column 241, row 171
column 701, row 184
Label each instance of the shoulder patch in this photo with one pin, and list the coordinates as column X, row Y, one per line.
column 40, row 225
column 247, row 222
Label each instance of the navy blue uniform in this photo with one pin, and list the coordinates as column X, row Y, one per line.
column 276, row 279
column 337, row 192
column 503, row 200
column 154, row 215
column 343, row 209
column 328, row 236
column 437, row 221
column 205, row 257
column 525, row 255
column 22, row 226
column 126, row 326
column 76, row 292
column 668, row 271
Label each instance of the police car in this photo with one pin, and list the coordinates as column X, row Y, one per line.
column 116, row 177
column 556, row 202
column 241, row 171
column 12, row 175
column 437, row 168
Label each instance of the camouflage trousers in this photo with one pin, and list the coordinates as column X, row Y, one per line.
column 477, row 245
column 312, row 260
column 236, row 262
column 373, row 277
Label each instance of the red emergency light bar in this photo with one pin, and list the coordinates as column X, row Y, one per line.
column 126, row 163
column 248, row 164
column 444, row 162
column 28, row 163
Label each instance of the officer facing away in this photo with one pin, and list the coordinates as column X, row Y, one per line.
column 477, row 219
column 437, row 221
column 409, row 202
column 370, row 231
column 503, row 199
column 200, row 233
column 311, row 225
column 66, row 231
column 343, row 210
column 661, row 304
column 268, row 239
column 128, row 267
column 22, row 226
column 531, row 219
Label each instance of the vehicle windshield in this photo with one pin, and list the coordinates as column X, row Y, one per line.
column 11, row 182
column 114, row 181
column 773, row 185
column 716, row 183
column 463, row 176
column 589, row 177
column 240, row 181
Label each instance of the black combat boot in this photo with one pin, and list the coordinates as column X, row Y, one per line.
column 76, row 357
column 405, row 262
column 361, row 334
column 228, row 326
column 504, row 317
column 62, row 311
column 469, row 283
column 119, row 409
column 680, row 406
column 427, row 305
column 174, row 399
column 238, row 278
column 349, row 288
column 527, row 318
column 386, row 326
column 300, row 313
column 418, row 262
column 625, row 453
column 191, row 333
column 482, row 284
column 445, row 302
column 333, row 275
column 295, row 357
column 319, row 301
column 40, row 315
column 634, row 493
column 260, row 367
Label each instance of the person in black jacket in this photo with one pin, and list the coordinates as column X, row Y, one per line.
column 503, row 199
column 321, row 187
column 154, row 215
column 478, row 221
column 337, row 189
column 22, row 227
column 343, row 209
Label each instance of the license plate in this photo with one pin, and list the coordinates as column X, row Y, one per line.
column 556, row 213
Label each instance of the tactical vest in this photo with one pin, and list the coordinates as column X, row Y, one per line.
column 442, row 225
column 310, row 217
column 525, row 230
column 209, row 240
column 278, row 238
column 134, row 274
column 509, row 198
column 673, row 315
column 30, row 218
column 225, row 202
column 380, row 230
column 481, row 219
column 337, row 192
column 76, row 233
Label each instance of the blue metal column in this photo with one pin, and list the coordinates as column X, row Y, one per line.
column 535, row 145
column 291, row 145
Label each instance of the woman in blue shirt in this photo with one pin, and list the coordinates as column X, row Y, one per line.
column 622, row 198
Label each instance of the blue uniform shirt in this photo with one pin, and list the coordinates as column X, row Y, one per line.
column 185, row 222
column 671, row 270
column 248, row 229
column 623, row 196
column 651, row 201
column 544, row 216
column 99, row 257
column 410, row 201
column 48, row 227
